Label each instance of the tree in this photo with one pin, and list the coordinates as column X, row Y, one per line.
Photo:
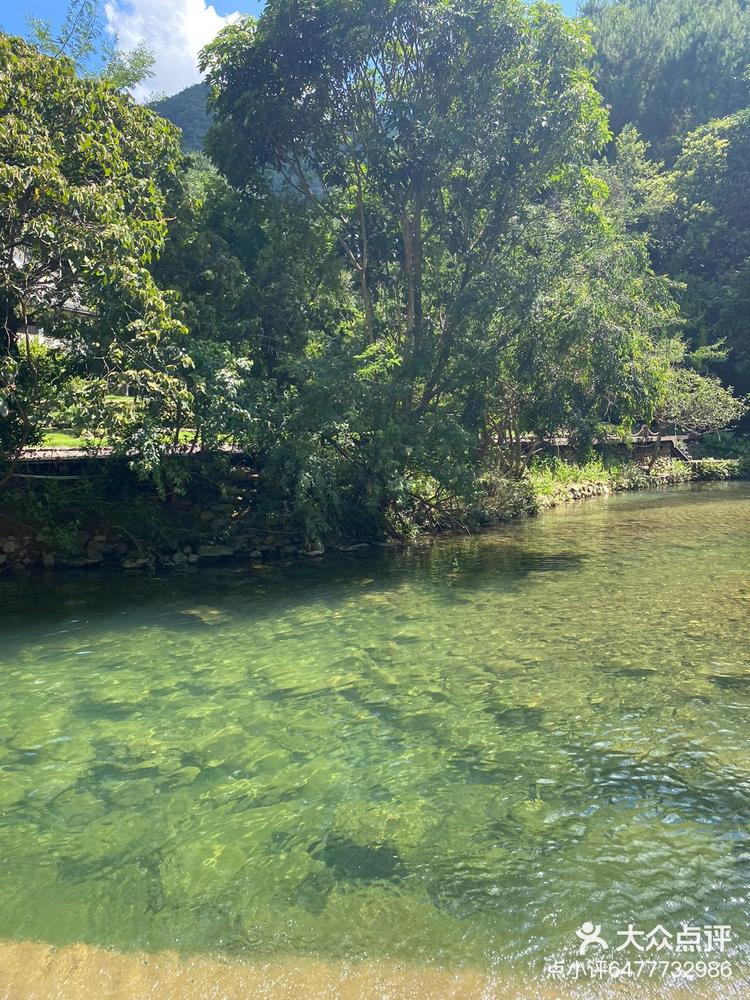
column 580, row 357
column 697, row 404
column 411, row 126
column 75, row 38
column 637, row 184
column 212, row 242
column 81, row 213
column 668, row 66
column 702, row 237
column 445, row 147
column 79, row 38
column 214, row 236
column 693, row 403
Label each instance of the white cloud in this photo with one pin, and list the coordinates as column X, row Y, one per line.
column 174, row 30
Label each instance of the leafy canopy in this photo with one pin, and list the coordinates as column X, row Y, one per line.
column 446, row 149
column 703, row 235
column 82, row 170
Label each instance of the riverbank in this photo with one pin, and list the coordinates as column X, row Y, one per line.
column 91, row 525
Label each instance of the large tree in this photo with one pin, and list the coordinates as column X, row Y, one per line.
column 417, row 128
column 81, row 214
column 446, row 147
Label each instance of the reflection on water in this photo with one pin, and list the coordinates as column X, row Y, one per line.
column 455, row 755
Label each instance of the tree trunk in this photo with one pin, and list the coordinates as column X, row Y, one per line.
column 411, row 234
column 655, row 455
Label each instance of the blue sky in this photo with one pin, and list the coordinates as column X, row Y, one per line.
column 14, row 19
column 175, row 30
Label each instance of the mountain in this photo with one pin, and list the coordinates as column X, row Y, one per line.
column 187, row 110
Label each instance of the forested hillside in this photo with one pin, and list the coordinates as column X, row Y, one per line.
column 679, row 72
column 188, row 111
column 668, row 66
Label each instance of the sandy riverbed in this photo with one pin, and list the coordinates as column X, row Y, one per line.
column 31, row 971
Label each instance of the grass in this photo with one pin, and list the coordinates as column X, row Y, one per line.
column 70, row 439
column 61, row 439
column 553, row 481
column 549, row 476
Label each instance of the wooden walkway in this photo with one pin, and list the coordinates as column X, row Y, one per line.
column 676, row 443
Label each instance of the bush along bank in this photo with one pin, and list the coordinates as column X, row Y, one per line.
column 559, row 482
column 116, row 521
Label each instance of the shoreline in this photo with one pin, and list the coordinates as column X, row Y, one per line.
column 35, row 971
column 23, row 552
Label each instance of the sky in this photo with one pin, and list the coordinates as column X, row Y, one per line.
column 175, row 30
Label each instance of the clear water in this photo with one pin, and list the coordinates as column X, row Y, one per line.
column 454, row 755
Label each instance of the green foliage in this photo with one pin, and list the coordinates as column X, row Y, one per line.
column 667, row 66
column 79, row 38
column 711, row 469
column 696, row 403
column 483, row 292
column 76, row 37
column 637, row 186
column 679, row 72
column 31, row 382
column 111, row 498
column 724, row 444
column 213, row 239
column 555, row 481
column 126, row 70
column 549, row 474
column 81, row 215
column 406, row 269
column 703, row 235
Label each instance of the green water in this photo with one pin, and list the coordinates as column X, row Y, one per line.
column 455, row 754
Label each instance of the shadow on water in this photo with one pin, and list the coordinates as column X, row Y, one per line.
column 680, row 784
column 178, row 600
column 353, row 862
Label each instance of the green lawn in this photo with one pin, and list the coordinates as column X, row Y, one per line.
column 69, row 439
column 61, row 439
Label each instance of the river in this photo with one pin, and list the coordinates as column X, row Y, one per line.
column 452, row 756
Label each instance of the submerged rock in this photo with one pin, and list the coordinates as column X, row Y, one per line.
column 360, row 863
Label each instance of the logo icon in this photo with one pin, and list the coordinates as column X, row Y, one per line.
column 589, row 934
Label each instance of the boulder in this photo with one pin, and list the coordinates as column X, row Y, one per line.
column 137, row 562
column 214, row 551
